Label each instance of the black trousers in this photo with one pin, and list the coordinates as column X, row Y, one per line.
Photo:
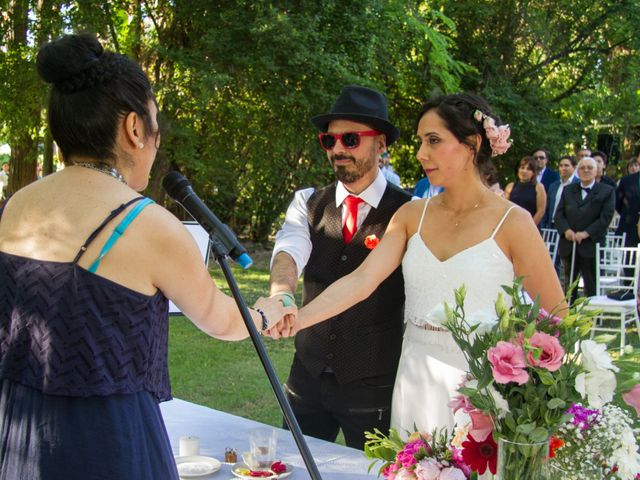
column 322, row 406
column 584, row 266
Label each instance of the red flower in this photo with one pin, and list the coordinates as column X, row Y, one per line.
column 371, row 242
column 278, row 467
column 554, row 444
column 479, row 455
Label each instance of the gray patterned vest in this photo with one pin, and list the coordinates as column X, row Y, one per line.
column 366, row 339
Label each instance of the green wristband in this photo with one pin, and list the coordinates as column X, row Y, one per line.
column 288, row 299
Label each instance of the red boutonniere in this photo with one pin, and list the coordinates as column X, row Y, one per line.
column 371, row 242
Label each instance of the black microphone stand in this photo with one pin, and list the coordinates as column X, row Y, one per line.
column 220, row 253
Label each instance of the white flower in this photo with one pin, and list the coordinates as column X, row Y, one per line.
column 405, row 475
column 485, row 319
column 597, row 386
column 595, row 357
column 452, row 473
column 626, row 457
column 427, row 469
column 437, row 315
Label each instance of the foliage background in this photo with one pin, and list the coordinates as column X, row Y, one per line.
column 238, row 80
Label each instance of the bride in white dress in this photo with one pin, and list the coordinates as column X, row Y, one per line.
column 466, row 235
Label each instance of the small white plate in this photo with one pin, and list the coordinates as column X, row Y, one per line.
column 242, row 466
column 197, row 466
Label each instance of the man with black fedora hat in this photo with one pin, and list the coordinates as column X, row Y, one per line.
column 344, row 369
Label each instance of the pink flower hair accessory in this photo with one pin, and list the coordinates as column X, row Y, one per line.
column 498, row 136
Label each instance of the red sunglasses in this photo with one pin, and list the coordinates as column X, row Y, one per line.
column 349, row 140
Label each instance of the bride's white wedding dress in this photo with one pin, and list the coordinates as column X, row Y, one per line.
column 431, row 364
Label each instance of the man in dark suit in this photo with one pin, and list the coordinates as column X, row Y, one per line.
column 582, row 218
column 344, row 369
column 566, row 167
column 546, row 176
column 628, row 206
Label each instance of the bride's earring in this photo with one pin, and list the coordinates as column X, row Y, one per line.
column 140, row 145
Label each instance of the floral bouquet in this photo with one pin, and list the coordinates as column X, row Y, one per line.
column 596, row 443
column 421, row 457
column 525, row 371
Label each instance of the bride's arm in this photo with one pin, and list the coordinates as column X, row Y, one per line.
column 532, row 261
column 359, row 284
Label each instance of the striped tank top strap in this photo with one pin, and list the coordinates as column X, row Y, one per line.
column 119, row 230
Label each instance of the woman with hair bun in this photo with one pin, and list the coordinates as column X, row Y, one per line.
column 85, row 280
column 466, row 235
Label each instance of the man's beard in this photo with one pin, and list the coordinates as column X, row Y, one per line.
column 352, row 173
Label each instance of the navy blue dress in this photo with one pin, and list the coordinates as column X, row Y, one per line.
column 524, row 195
column 83, row 367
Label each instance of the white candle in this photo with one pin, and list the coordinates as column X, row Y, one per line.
column 189, row 446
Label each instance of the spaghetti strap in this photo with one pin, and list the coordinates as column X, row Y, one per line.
column 424, row 210
column 94, row 234
column 118, row 231
column 504, row 217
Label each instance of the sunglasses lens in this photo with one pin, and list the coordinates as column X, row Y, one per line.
column 327, row 141
column 350, row 140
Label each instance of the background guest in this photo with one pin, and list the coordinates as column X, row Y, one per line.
column 489, row 175
column 601, row 161
column 544, row 174
column 633, row 166
column 387, row 170
column 582, row 218
column 583, row 152
column 566, row 167
column 628, row 206
column 424, row 189
column 4, row 180
column 526, row 191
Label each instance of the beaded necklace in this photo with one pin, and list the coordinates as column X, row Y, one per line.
column 101, row 167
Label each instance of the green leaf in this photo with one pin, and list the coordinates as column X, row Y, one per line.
column 555, row 403
column 545, row 377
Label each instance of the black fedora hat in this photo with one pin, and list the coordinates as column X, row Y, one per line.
column 363, row 105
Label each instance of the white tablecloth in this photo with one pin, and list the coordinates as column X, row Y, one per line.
column 218, row 430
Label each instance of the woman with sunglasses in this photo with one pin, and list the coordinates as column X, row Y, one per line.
column 466, row 235
column 86, row 268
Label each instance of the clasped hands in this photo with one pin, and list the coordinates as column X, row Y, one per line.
column 282, row 315
column 577, row 237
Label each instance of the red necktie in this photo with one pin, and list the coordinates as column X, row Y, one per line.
column 351, row 222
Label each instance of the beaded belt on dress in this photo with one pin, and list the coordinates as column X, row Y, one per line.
column 427, row 326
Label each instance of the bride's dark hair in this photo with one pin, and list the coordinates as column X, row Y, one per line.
column 457, row 112
column 92, row 90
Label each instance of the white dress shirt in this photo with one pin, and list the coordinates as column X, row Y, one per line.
column 559, row 194
column 540, row 174
column 584, row 193
column 294, row 236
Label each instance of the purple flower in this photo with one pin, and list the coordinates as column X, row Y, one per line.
column 583, row 417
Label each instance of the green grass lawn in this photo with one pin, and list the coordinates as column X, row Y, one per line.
column 228, row 376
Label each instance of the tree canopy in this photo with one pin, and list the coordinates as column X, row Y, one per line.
column 237, row 81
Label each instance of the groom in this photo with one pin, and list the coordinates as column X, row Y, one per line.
column 344, row 369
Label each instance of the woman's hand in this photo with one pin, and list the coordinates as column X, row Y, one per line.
column 280, row 318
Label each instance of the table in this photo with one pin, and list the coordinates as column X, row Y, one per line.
column 218, row 430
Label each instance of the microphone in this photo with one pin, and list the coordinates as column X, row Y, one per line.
column 179, row 188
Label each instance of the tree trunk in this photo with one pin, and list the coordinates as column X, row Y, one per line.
column 47, row 162
column 22, row 167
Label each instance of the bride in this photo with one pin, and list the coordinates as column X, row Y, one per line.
column 466, row 235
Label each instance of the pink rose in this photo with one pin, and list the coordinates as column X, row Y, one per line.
column 452, row 473
column 390, row 472
column 481, row 425
column 405, row 475
column 507, row 363
column 427, row 469
column 553, row 319
column 552, row 351
column 632, row 398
